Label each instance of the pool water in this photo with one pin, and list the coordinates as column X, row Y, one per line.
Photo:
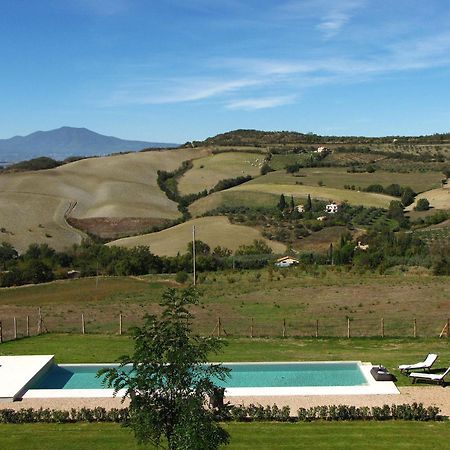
column 242, row 375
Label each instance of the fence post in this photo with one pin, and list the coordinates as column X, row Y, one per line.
column 415, row 327
column 348, row 327
column 83, row 326
column 28, row 326
column 1, row 332
column 15, row 327
column 284, row 328
column 39, row 328
column 317, row 328
column 382, row 327
column 120, row 324
column 251, row 329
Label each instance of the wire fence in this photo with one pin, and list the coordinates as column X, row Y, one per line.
column 37, row 323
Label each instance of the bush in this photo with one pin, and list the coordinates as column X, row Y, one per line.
column 422, row 205
column 181, row 277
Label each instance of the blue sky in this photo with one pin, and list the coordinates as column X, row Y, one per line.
column 179, row 70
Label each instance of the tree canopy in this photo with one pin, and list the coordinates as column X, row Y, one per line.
column 168, row 378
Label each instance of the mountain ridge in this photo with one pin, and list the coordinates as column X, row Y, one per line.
column 60, row 143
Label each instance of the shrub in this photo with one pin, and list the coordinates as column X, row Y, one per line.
column 181, row 277
column 422, row 205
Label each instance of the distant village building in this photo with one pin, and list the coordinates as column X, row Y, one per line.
column 286, row 261
column 322, row 218
column 323, row 150
column 300, row 208
column 73, row 274
column 332, row 208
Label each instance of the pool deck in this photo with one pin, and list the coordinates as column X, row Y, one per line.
column 428, row 395
column 18, row 372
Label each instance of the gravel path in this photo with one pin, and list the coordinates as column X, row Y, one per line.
column 428, row 395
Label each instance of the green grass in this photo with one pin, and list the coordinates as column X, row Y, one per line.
column 208, row 171
column 95, row 348
column 270, row 436
column 338, row 177
column 324, row 193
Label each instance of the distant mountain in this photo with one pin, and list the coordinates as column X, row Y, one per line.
column 67, row 141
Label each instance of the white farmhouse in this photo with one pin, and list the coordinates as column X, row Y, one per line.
column 332, row 208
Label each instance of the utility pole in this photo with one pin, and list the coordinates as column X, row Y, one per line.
column 193, row 252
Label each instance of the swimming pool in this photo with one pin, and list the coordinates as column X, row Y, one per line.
column 246, row 379
column 242, row 375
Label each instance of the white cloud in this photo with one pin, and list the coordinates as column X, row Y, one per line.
column 260, row 102
column 331, row 15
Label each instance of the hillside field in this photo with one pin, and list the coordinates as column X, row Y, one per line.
column 215, row 231
column 209, row 170
column 317, row 192
column 338, row 177
column 114, row 186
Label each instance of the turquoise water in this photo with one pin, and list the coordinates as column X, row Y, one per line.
column 242, row 375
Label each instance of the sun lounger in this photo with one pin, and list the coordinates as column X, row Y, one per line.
column 432, row 377
column 424, row 365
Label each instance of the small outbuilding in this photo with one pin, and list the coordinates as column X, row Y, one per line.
column 286, row 261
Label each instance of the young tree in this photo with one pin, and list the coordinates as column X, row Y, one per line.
column 292, row 203
column 281, row 203
column 308, row 206
column 168, row 379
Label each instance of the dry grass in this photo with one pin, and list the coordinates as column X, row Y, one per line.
column 208, row 171
column 237, row 297
column 115, row 186
column 212, row 230
column 438, row 198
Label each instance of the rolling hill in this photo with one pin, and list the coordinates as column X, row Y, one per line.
column 68, row 141
column 213, row 231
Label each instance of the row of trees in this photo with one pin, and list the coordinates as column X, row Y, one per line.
column 40, row 263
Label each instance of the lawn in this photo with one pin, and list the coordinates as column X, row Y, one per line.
column 270, row 436
column 73, row 348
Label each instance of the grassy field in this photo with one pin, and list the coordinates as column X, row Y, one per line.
column 214, row 231
column 438, row 198
column 95, row 348
column 323, row 193
column 115, row 186
column 208, row 171
column 260, row 435
column 338, row 177
column 267, row 296
column 232, row 199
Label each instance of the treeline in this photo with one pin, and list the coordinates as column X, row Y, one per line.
column 259, row 138
column 41, row 163
column 394, row 190
column 40, row 263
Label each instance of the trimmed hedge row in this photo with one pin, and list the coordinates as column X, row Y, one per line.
column 239, row 413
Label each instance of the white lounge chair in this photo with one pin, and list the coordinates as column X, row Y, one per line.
column 432, row 377
column 424, row 365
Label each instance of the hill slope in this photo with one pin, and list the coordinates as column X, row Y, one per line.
column 34, row 205
column 67, row 141
column 212, row 230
